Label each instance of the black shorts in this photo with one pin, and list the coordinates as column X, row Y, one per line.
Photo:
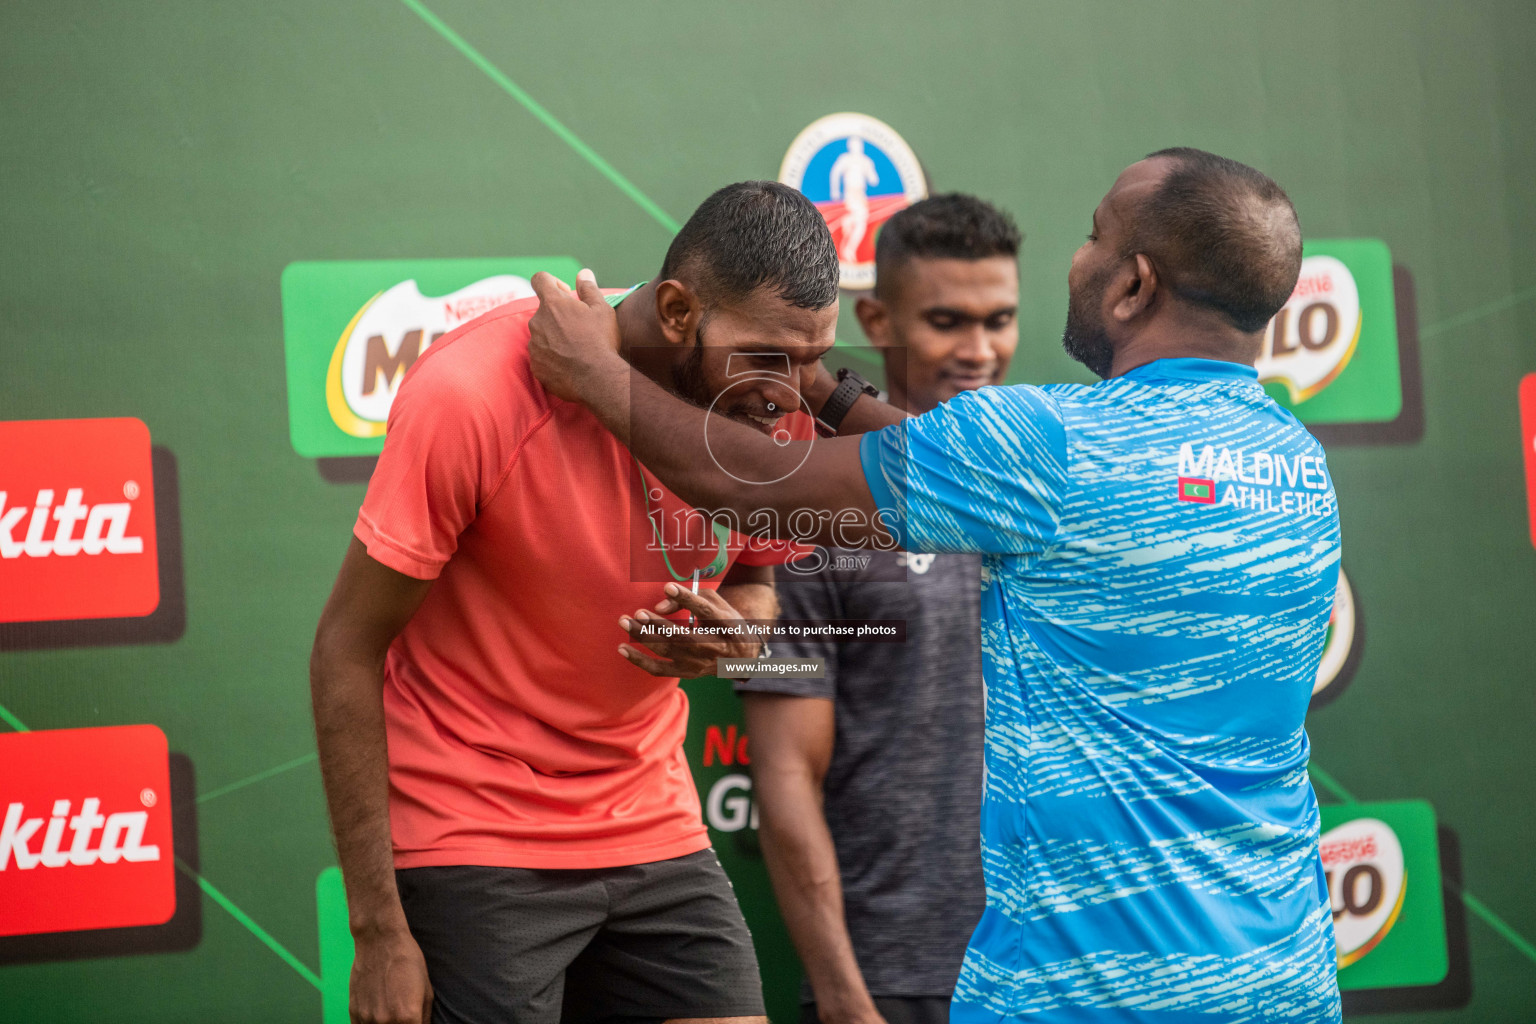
column 542, row 946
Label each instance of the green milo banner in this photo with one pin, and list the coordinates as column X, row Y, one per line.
column 1382, row 863
column 352, row 328
column 231, row 230
column 1331, row 354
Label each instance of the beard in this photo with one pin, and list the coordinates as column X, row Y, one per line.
column 692, row 384
column 689, row 381
column 1084, row 337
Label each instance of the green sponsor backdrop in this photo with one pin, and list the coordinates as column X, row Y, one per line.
column 165, row 162
column 1369, row 387
column 1413, row 952
column 320, row 299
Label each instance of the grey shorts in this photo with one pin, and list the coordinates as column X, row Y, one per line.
column 543, row 946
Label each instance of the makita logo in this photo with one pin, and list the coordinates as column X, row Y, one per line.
column 116, row 837
column 105, row 526
column 77, row 521
column 85, row 830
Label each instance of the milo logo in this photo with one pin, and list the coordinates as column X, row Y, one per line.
column 1340, row 648
column 387, row 336
column 1311, row 339
column 1331, row 354
column 353, row 328
column 1363, row 863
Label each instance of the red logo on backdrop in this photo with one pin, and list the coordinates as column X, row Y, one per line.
column 1528, row 442
column 85, row 841
column 77, row 520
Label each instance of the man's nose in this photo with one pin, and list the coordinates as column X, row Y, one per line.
column 781, row 392
column 976, row 345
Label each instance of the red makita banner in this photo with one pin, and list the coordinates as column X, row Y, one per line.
column 77, row 520
column 85, row 838
column 1528, row 444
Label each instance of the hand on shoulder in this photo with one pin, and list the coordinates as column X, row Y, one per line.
column 573, row 334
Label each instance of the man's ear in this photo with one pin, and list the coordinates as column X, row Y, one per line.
column 875, row 318
column 679, row 311
column 1133, row 289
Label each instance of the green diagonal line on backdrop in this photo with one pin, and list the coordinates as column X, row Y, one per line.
column 213, row 893
column 251, row 926
column 1331, row 784
column 1497, row 923
column 549, row 120
column 1478, row 312
column 1471, row 902
column 11, row 720
column 258, row 777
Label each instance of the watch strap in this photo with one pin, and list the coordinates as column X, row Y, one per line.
column 837, row 404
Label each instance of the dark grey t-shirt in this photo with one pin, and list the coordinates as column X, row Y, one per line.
column 903, row 791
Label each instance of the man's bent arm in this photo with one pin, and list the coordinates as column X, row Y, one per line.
column 792, row 740
column 368, row 607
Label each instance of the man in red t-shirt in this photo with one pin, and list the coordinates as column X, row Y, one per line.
column 515, row 820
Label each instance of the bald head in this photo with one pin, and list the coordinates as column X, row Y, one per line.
column 1222, row 235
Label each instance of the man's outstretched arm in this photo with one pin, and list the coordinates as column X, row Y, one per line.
column 574, row 350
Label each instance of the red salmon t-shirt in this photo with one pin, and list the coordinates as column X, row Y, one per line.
column 518, row 736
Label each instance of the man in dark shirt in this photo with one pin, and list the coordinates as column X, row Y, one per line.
column 869, row 780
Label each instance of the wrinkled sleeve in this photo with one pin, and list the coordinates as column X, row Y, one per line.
column 985, row 472
column 444, row 455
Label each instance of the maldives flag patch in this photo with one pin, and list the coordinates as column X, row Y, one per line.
column 1192, row 488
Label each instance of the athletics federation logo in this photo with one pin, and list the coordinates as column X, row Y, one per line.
column 859, row 173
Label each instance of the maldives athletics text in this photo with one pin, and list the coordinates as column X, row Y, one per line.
column 1262, row 480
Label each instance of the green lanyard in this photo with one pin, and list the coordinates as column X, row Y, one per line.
column 722, row 538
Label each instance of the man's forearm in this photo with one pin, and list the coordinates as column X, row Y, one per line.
column 668, row 435
column 354, row 764
column 802, row 865
column 757, row 601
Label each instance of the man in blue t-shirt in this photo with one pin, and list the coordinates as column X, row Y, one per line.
column 1160, row 554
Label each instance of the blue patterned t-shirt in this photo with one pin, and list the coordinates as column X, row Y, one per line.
column 1161, row 554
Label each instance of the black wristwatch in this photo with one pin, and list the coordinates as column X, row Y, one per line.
column 850, row 385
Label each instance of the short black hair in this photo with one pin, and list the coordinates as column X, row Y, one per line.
column 756, row 234
column 1223, row 236
column 952, row 226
